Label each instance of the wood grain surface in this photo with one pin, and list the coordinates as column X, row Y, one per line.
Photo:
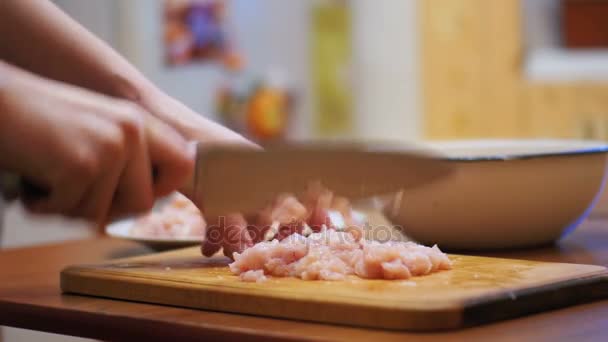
column 476, row 290
column 30, row 298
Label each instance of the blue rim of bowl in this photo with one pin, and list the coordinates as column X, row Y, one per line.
column 601, row 148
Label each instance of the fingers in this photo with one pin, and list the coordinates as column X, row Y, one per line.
column 318, row 218
column 170, row 154
column 289, row 229
column 92, row 153
column 229, row 233
column 213, row 236
column 192, row 125
column 134, row 192
column 236, row 237
column 98, row 200
column 63, row 199
column 86, row 185
column 129, row 141
column 257, row 232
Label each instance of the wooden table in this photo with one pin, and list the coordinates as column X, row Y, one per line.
column 30, row 298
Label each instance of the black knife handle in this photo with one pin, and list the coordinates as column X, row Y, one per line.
column 31, row 192
column 13, row 186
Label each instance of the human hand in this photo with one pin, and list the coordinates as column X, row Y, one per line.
column 92, row 153
column 190, row 124
column 230, row 232
column 284, row 216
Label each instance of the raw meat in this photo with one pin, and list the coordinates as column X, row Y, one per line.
column 180, row 218
column 319, row 237
column 283, row 217
column 333, row 255
column 253, row 276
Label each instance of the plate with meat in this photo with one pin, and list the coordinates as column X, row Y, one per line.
column 174, row 222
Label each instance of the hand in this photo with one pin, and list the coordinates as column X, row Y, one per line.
column 190, row 124
column 231, row 233
column 92, row 153
column 281, row 218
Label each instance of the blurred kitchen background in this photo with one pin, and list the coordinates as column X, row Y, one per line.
column 402, row 70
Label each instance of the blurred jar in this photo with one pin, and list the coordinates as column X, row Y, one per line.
column 260, row 108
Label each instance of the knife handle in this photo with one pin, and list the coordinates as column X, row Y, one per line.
column 32, row 192
column 13, row 186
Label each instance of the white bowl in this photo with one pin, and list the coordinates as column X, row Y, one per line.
column 505, row 194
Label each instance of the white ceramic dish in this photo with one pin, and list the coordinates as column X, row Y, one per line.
column 122, row 230
column 505, row 193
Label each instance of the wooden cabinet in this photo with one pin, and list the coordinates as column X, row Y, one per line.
column 585, row 23
column 473, row 55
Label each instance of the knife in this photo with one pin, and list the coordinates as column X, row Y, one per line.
column 228, row 179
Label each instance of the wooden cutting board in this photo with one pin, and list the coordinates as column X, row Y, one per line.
column 476, row 291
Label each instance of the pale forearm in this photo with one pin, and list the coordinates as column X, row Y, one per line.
column 6, row 78
column 87, row 154
column 37, row 36
column 10, row 79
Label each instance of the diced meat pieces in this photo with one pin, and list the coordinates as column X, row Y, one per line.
column 236, row 236
column 318, row 200
column 320, row 263
column 395, row 269
column 316, row 239
column 253, row 276
column 180, row 218
column 213, row 240
column 270, row 257
column 286, row 213
column 285, row 209
column 333, row 255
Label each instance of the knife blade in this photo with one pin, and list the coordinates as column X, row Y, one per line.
column 230, row 179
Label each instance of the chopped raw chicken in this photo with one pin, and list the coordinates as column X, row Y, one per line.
column 332, row 255
column 318, row 238
column 179, row 218
column 253, row 276
column 283, row 217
